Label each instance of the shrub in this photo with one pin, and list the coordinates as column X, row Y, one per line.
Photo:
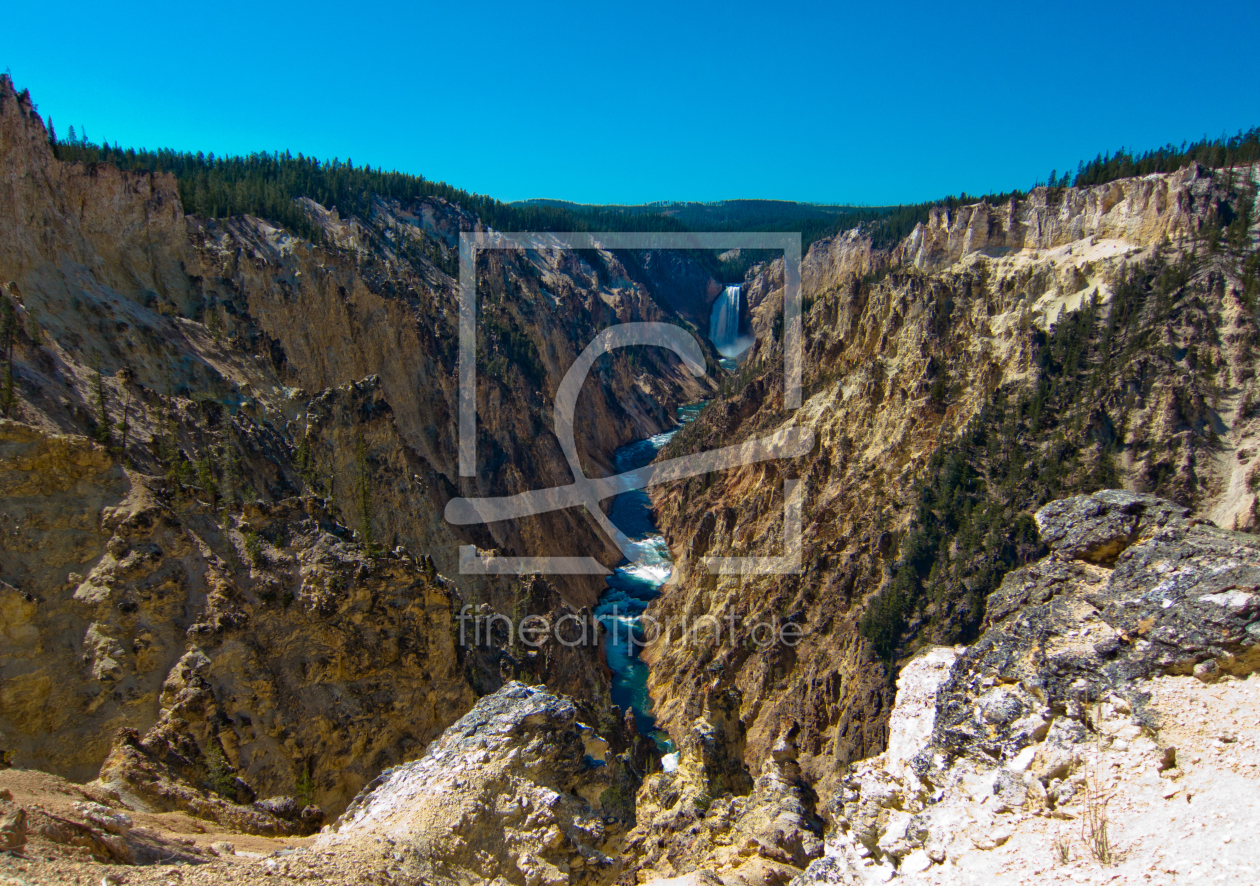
column 219, row 777
column 253, row 547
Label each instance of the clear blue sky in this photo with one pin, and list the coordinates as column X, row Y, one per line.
column 832, row 102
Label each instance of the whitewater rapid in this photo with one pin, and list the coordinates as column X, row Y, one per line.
column 632, row 587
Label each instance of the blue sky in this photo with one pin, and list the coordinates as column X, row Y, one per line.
column 839, row 102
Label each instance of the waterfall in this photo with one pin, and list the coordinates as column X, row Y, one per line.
column 724, row 324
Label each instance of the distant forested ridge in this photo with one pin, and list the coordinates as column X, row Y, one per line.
column 268, row 185
column 886, row 225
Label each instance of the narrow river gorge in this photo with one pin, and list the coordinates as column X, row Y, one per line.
column 632, row 586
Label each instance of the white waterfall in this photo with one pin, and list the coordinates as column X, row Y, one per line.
column 724, row 325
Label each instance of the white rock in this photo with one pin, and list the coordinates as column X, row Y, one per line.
column 992, row 839
column 1229, row 599
column 1023, row 759
column 896, row 831
column 916, row 862
column 978, row 785
column 910, row 725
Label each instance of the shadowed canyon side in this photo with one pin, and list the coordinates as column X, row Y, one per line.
column 225, row 459
column 997, row 358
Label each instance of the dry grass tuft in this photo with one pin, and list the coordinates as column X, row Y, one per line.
column 1094, row 823
column 1062, row 849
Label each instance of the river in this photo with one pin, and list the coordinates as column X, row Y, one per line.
column 631, row 588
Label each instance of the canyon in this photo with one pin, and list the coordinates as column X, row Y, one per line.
column 233, row 614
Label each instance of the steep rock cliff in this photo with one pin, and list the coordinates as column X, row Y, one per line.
column 273, row 649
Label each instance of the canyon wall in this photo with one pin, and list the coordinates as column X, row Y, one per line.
column 225, row 463
column 997, row 358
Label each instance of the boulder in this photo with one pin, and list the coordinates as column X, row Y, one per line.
column 508, row 791
column 12, row 827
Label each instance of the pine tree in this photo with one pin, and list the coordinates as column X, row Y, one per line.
column 206, row 480
column 178, row 470
column 101, row 434
column 302, row 460
column 1240, row 227
column 124, row 426
column 231, row 475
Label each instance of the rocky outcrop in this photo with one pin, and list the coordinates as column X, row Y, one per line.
column 80, row 651
column 703, row 816
column 1074, row 673
column 259, row 653
column 12, row 825
column 148, row 776
column 1135, row 210
column 517, row 791
column 1173, row 596
column 44, row 819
